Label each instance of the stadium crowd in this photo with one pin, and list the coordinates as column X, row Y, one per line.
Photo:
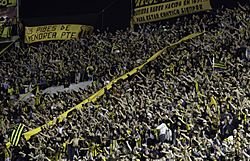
column 191, row 103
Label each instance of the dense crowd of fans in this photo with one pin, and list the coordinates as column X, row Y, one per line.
column 182, row 106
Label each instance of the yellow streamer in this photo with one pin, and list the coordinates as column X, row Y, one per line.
column 101, row 92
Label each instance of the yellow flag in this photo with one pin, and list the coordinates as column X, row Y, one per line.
column 213, row 102
column 197, row 87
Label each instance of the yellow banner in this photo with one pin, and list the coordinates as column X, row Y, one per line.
column 55, row 32
column 7, row 3
column 154, row 10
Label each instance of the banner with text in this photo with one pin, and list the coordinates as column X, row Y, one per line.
column 56, row 32
column 154, row 10
column 7, row 3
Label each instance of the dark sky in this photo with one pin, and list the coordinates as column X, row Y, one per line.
column 41, row 8
column 116, row 13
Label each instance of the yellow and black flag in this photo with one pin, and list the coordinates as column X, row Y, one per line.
column 16, row 135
